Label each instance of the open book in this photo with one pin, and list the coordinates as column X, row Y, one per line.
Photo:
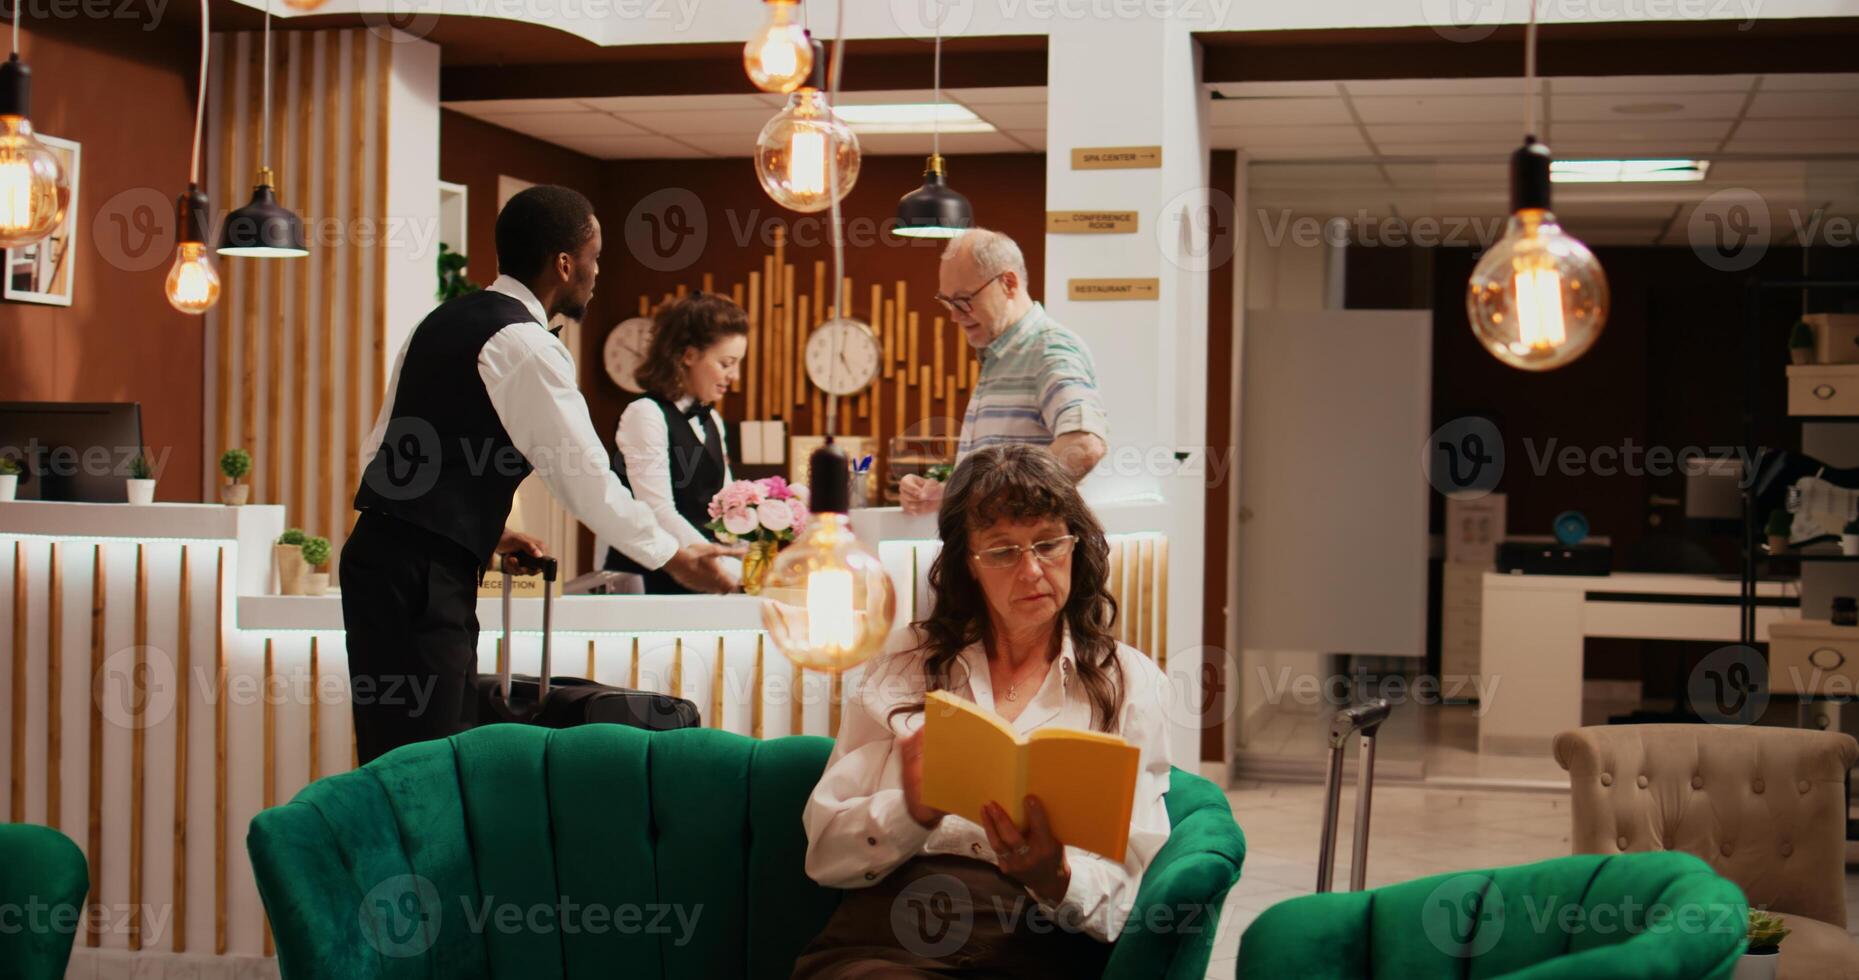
column 1087, row 780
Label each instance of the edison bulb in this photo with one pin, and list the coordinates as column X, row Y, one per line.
column 1538, row 298
column 193, row 286
column 778, row 57
column 34, row 188
column 827, row 603
column 799, row 149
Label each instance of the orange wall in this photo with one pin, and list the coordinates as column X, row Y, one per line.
column 126, row 95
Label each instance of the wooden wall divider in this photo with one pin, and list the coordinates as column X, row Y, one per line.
column 352, row 403
column 384, row 74
column 17, row 774
column 272, row 459
column 249, row 274
column 54, row 691
column 316, row 704
column 716, row 688
column 269, row 762
column 303, row 49
column 138, row 738
column 219, row 754
column 761, row 691
column 330, row 46
column 230, row 272
column 183, row 669
column 93, row 850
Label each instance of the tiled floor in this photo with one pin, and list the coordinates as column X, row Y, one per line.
column 1416, row 832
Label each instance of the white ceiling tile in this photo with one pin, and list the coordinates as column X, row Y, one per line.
column 1801, row 145
column 1320, row 174
column 1010, row 116
column 1275, row 90
column 1228, row 140
column 1454, row 151
column 1277, row 112
column 985, row 96
column 1301, row 136
column 1796, row 105
column 892, row 97
column 494, row 107
column 623, row 104
column 1650, row 132
column 1489, row 133
column 1436, row 86
column 1635, row 84
column 1442, row 109
column 1577, row 149
column 1034, row 138
column 722, row 144
column 1441, row 174
column 1813, row 129
column 744, row 122
column 548, row 125
column 1846, row 82
column 953, row 144
column 1565, row 107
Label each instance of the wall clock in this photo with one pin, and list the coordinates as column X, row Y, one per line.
column 842, row 357
column 625, row 351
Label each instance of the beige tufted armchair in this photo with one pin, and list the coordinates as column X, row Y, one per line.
column 1766, row 807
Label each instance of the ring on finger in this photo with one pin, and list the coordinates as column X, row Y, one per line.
column 1022, row 851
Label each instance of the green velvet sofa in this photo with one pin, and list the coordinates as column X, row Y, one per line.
column 43, row 881
column 1642, row 916
column 519, row 852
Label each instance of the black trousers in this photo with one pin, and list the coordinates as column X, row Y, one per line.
column 410, row 606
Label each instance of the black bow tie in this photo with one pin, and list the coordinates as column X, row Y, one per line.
column 696, row 411
column 555, row 332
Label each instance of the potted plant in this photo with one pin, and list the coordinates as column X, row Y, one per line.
column 1766, row 933
column 233, row 465
column 452, row 281
column 9, row 477
column 288, row 553
column 141, row 481
column 764, row 514
column 1801, row 342
column 1781, row 524
column 315, row 553
column 1849, row 538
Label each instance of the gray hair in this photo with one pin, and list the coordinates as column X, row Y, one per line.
column 993, row 253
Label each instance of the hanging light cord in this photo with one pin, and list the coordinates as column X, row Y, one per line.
column 832, row 175
column 200, row 105
column 17, row 14
column 936, row 106
column 1529, row 74
column 264, row 137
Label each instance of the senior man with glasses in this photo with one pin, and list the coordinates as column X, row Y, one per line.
column 1037, row 384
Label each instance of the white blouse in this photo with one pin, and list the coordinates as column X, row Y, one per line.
column 645, row 443
column 858, row 828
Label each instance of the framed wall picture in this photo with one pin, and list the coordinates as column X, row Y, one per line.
column 42, row 272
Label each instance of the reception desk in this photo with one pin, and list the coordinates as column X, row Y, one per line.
column 159, row 695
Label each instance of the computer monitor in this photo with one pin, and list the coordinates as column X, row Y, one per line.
column 71, row 450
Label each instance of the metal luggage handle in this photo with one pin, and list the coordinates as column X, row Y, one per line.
column 528, row 565
column 1364, row 719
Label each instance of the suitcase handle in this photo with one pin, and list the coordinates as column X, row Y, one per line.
column 527, row 564
column 1365, row 719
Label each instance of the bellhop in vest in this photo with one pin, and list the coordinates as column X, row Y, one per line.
column 482, row 394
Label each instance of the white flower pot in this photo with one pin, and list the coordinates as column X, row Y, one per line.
column 1801, row 355
column 1849, row 544
column 1756, row 966
column 9, row 485
column 234, row 494
column 316, row 583
column 141, row 491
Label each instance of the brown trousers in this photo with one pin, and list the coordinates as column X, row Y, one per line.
column 944, row 916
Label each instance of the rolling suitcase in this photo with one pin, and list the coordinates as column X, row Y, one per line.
column 1364, row 719
column 565, row 702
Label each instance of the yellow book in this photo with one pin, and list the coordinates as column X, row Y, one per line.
column 1087, row 780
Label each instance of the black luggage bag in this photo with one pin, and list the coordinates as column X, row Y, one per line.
column 566, row 702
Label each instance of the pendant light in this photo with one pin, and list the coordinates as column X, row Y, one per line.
column 827, row 602
column 779, row 57
column 1538, row 298
column 264, row 228
column 193, row 286
column 805, row 150
column 34, row 187
column 934, row 210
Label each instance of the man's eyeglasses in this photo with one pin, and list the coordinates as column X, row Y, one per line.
column 965, row 303
column 1050, row 551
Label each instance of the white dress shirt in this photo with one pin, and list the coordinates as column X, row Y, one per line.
column 530, row 378
column 645, row 444
column 858, row 828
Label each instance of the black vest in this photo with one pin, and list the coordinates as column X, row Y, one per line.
column 697, row 471
column 446, row 463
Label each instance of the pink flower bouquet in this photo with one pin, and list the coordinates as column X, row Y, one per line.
column 752, row 511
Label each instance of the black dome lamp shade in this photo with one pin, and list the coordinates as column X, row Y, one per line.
column 263, row 228
column 934, row 210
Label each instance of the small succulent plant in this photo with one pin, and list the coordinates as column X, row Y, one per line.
column 316, row 552
column 9, row 466
column 1766, row 932
column 293, row 536
column 235, row 463
column 139, row 469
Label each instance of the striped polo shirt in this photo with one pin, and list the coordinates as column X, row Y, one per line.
column 1036, row 384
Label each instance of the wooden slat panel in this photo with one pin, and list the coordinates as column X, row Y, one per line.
column 834, row 695
column 316, row 749
column 183, row 669
column 249, row 270
column 224, row 322
column 677, row 668
column 384, row 69
column 355, row 428
column 219, row 754
column 752, row 370
column 303, row 53
column 797, row 701
column 590, row 660
column 761, row 691
column 1121, row 627
column 55, row 685
column 632, row 677
column 924, row 386
column 270, row 759
column 716, row 688
column 793, row 394
column 93, row 850
column 273, row 323
column 766, row 366
column 1145, row 634
column 1161, row 603
column 138, row 731
column 330, row 48
column 16, row 779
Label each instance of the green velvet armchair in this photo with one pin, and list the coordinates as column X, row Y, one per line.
column 520, row 852
column 43, row 881
column 1645, row 916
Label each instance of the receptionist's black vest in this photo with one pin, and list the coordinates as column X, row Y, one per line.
column 697, row 470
